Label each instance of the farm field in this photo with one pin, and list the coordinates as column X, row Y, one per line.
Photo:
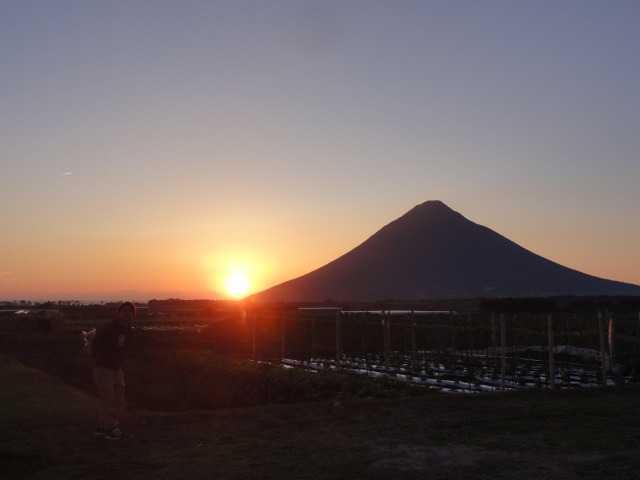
column 47, row 430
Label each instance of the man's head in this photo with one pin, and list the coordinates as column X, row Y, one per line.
column 126, row 311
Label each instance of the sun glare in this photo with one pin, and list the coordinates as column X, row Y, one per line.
column 237, row 284
column 236, row 273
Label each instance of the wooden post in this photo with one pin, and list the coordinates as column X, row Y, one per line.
column 503, row 353
column 284, row 336
column 414, row 353
column 611, row 342
column 338, row 340
column 470, row 345
column 253, row 337
column 494, row 340
column 385, row 335
column 552, row 366
column 364, row 341
column 602, row 348
column 313, row 337
column 452, row 357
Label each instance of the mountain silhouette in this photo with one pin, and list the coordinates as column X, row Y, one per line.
column 433, row 252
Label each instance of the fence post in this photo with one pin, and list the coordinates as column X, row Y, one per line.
column 414, row 353
column 452, row 356
column 503, row 353
column 602, row 348
column 611, row 338
column 363, row 318
column 313, row 337
column 338, row 340
column 470, row 344
column 552, row 366
column 386, row 319
column 493, row 335
column 284, row 335
column 253, row 337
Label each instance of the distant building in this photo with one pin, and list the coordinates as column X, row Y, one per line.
column 43, row 319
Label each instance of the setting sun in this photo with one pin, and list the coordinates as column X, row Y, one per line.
column 237, row 284
column 237, row 271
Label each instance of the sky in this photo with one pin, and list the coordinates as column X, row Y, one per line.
column 152, row 148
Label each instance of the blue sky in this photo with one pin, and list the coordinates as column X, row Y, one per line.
column 199, row 138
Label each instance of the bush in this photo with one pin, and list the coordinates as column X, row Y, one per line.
column 184, row 379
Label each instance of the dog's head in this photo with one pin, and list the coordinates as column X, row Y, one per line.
column 88, row 338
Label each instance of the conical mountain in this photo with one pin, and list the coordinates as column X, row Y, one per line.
column 433, row 252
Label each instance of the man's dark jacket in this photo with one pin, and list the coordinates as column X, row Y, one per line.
column 110, row 343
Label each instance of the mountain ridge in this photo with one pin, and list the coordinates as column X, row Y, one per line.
column 434, row 252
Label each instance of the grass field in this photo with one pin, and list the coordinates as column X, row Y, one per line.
column 47, row 433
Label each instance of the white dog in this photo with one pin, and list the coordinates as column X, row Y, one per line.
column 88, row 338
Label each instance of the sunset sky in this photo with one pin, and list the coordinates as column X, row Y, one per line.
column 152, row 148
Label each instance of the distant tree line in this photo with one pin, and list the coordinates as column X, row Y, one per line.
column 181, row 303
column 47, row 304
column 490, row 305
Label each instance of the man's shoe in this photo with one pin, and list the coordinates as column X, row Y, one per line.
column 114, row 434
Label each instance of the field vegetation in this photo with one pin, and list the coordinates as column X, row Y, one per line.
column 199, row 411
column 47, row 430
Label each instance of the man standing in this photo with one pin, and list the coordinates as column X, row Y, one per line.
column 108, row 350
